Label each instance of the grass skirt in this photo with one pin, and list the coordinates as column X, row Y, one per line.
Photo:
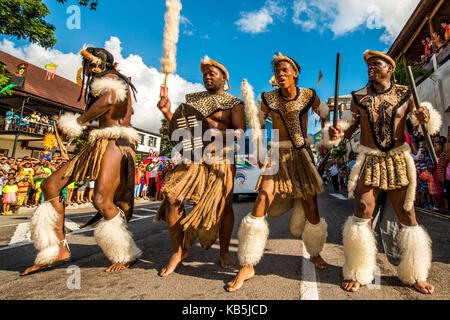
column 205, row 186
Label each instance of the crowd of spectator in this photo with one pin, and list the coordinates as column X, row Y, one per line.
column 435, row 43
column 338, row 172
column 433, row 188
column 149, row 178
column 32, row 123
column 21, row 179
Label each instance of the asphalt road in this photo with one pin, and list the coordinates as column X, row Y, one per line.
column 283, row 274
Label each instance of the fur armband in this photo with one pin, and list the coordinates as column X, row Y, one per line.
column 347, row 121
column 435, row 122
column 69, row 125
column 323, row 111
column 101, row 86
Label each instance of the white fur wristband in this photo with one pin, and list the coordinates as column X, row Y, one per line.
column 435, row 122
column 348, row 119
column 326, row 137
column 69, row 125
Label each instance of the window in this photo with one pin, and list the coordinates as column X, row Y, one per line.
column 141, row 138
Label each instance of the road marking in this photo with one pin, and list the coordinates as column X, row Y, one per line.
column 22, row 234
column 430, row 213
column 308, row 284
column 72, row 226
column 148, row 210
column 339, row 196
column 24, row 230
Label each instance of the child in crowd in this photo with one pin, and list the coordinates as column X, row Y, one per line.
column 22, row 193
column 9, row 196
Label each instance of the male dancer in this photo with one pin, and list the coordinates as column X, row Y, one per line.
column 297, row 182
column 384, row 163
column 109, row 158
column 208, row 186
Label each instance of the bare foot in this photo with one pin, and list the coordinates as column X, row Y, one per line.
column 351, row 286
column 173, row 263
column 116, row 267
column 246, row 273
column 64, row 254
column 424, row 287
column 319, row 262
column 226, row 261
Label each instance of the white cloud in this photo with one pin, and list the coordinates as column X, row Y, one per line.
column 257, row 21
column 344, row 16
column 146, row 79
column 187, row 26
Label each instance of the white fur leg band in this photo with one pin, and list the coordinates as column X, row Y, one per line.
column 415, row 246
column 252, row 235
column 359, row 250
column 314, row 237
column 116, row 241
column 43, row 233
column 69, row 125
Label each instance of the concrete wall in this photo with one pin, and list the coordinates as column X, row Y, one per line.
column 436, row 89
column 6, row 143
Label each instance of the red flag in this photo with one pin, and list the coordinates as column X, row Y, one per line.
column 319, row 83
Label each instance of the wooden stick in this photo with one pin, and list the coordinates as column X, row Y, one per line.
column 336, row 93
column 417, row 102
column 62, row 148
column 165, row 85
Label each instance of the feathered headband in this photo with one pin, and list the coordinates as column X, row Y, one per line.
column 207, row 61
column 281, row 57
column 93, row 59
column 370, row 54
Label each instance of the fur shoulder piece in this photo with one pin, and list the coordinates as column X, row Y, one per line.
column 101, row 86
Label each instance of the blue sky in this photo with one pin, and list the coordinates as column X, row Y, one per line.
column 243, row 35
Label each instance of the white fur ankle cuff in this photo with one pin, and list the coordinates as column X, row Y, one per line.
column 416, row 256
column 69, row 125
column 360, row 220
column 252, row 235
column 314, row 237
column 360, row 252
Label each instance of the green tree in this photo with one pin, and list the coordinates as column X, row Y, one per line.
column 401, row 75
column 339, row 152
column 79, row 143
column 25, row 19
column 166, row 144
